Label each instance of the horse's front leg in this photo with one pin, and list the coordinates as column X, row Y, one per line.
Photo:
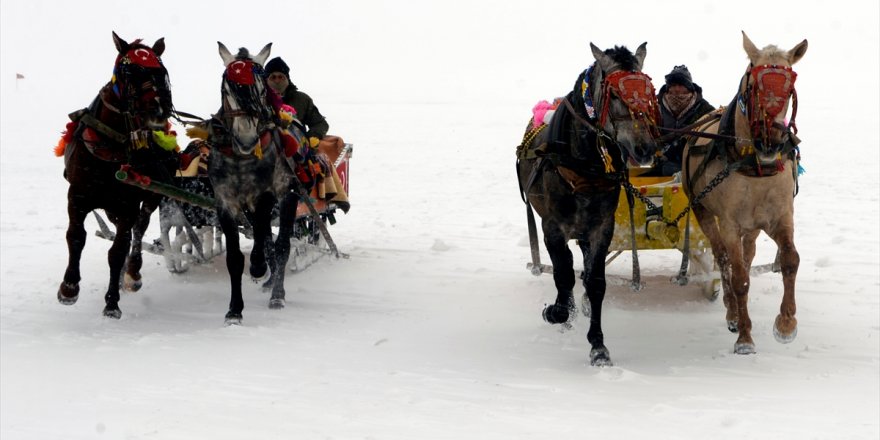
column 234, row 265
column 132, row 279
column 594, row 282
column 261, row 221
column 116, row 258
column 68, row 291
column 282, row 249
column 563, row 275
column 785, row 326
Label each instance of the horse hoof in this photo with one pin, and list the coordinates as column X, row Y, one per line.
column 114, row 313
column 600, row 357
column 712, row 289
column 744, row 348
column 68, row 294
column 785, row 329
column 132, row 285
column 268, row 284
column 258, row 271
column 276, row 303
column 233, row 318
column 556, row 314
column 732, row 327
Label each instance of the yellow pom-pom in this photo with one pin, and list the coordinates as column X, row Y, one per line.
column 168, row 142
column 313, row 141
column 197, row 132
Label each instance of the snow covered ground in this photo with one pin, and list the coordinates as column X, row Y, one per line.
column 432, row 329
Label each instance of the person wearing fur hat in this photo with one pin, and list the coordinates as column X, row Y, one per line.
column 278, row 78
column 681, row 104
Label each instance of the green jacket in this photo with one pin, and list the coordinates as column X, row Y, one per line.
column 306, row 112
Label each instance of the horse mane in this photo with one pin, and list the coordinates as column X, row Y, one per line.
column 243, row 54
column 772, row 52
column 623, row 57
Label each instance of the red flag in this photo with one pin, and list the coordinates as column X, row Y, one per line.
column 19, row 76
column 241, row 72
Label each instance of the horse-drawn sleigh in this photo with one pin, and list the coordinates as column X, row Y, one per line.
column 120, row 156
column 740, row 177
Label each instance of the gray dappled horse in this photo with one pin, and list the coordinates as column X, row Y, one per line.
column 756, row 146
column 571, row 172
column 250, row 174
column 119, row 127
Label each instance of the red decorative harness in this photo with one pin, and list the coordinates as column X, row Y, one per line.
column 772, row 87
column 637, row 93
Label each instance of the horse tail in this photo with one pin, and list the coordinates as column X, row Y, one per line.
column 66, row 136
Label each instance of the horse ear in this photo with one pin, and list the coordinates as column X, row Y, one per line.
column 225, row 54
column 640, row 54
column 121, row 45
column 750, row 48
column 599, row 55
column 159, row 47
column 796, row 53
column 263, row 55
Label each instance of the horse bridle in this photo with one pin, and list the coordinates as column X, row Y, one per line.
column 636, row 91
column 764, row 92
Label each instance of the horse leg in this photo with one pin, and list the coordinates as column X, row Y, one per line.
column 710, row 229
column 749, row 247
column 68, row 291
column 132, row 278
column 234, row 265
column 785, row 326
column 261, row 221
column 739, row 282
column 563, row 275
column 116, row 258
column 594, row 282
column 287, row 213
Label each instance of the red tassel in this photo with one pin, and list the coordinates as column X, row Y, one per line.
column 66, row 135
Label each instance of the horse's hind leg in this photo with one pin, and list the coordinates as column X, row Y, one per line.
column 132, row 279
column 710, row 229
column 785, row 327
column 563, row 276
column 234, row 265
column 68, row 291
column 282, row 249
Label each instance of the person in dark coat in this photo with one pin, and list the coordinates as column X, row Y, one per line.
column 278, row 77
column 681, row 104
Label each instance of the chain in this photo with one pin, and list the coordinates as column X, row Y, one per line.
column 696, row 200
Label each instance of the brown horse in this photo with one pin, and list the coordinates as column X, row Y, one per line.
column 745, row 179
column 571, row 170
column 125, row 124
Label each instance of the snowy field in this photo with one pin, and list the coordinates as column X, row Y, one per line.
column 432, row 329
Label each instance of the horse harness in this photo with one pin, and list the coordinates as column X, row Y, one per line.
column 723, row 146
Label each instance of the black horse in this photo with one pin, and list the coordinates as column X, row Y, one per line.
column 250, row 173
column 126, row 124
column 571, row 170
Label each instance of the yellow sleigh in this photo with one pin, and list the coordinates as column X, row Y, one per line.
column 660, row 222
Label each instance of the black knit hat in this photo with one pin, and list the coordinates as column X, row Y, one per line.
column 679, row 75
column 277, row 65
